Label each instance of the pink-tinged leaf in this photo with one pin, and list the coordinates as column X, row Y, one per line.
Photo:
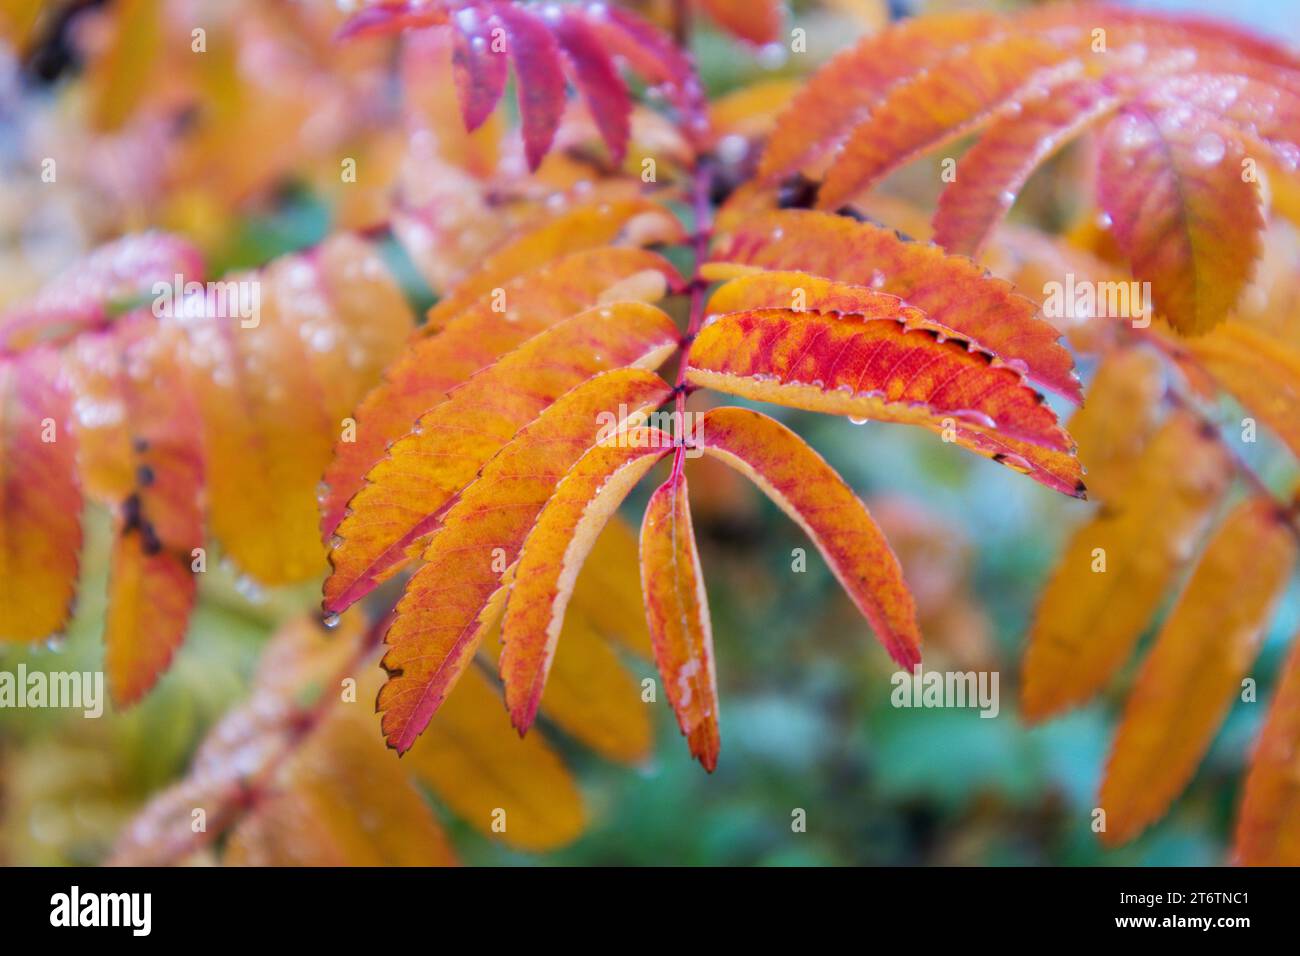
column 82, row 295
column 539, row 75
column 598, row 79
column 473, row 339
column 1264, row 114
column 479, row 70
column 994, row 170
column 446, row 608
column 936, row 106
column 552, row 556
column 654, row 56
column 381, row 19
column 1189, row 222
column 40, row 501
column 807, row 489
column 950, row 290
column 677, row 612
column 407, row 491
column 841, row 94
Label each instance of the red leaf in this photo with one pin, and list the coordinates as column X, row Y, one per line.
column 381, row 19
column 480, row 71
column 950, row 290
column 539, row 76
column 599, row 80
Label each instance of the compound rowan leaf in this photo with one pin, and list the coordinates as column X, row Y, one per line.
column 935, row 106
column 517, row 791
column 40, row 500
column 592, row 226
column 1195, row 669
column 994, row 170
column 446, row 608
column 805, row 487
column 1180, row 209
column 1268, row 825
column 884, row 364
column 474, row 339
column 950, row 290
column 1113, row 427
column 407, row 491
column 677, row 612
column 553, row 554
column 1118, row 566
column 842, row 93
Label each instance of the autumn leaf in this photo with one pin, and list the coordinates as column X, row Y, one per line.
column 1115, row 425
column 553, row 554
column 949, row 290
column 1181, row 210
column 1195, row 669
column 1268, row 825
column 1117, row 567
column 886, row 365
column 677, row 612
column 438, row 626
column 807, row 489
column 40, row 499
column 474, row 339
column 407, row 491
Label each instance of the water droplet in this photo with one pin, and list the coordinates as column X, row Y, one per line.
column 330, row 620
column 1210, row 149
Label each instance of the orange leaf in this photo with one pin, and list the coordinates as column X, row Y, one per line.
column 677, row 611
column 407, row 491
column 886, row 364
column 1268, row 826
column 1258, row 370
column 950, row 290
column 994, row 170
column 1194, row 671
column 841, row 94
column 623, row 222
column 1089, row 619
column 342, row 800
column 40, row 502
column 444, row 612
column 272, row 390
column 474, row 339
column 757, row 21
column 806, row 488
column 591, row 695
column 553, row 554
column 1113, row 427
column 480, row 768
column 1181, row 211
column 935, row 106
column 608, row 591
